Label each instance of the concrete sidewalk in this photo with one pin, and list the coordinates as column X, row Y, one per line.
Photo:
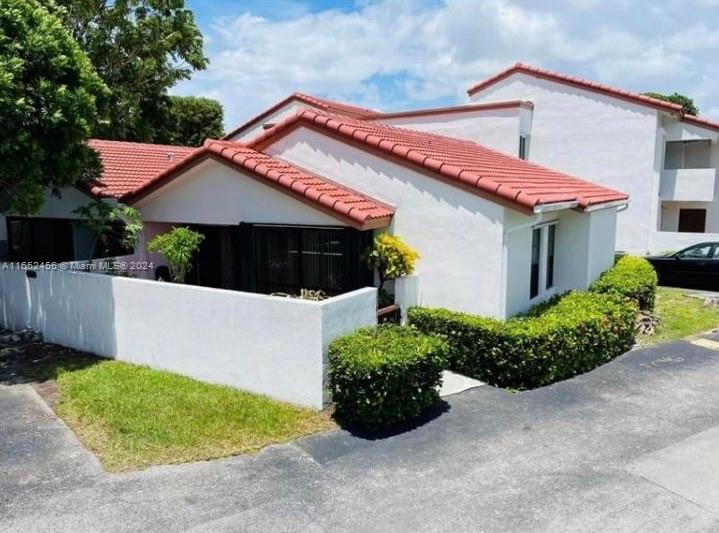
column 603, row 452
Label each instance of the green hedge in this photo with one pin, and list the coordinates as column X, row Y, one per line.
column 382, row 376
column 631, row 277
column 581, row 331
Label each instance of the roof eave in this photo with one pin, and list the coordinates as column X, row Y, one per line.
column 606, row 205
column 554, row 206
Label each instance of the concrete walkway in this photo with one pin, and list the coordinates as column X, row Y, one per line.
column 628, row 447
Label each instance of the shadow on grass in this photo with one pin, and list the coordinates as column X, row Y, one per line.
column 362, row 432
column 38, row 362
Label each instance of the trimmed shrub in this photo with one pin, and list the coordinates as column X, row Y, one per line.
column 631, row 277
column 579, row 332
column 382, row 376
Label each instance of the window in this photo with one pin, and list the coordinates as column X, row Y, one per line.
column 522, row 147
column 551, row 230
column 541, row 273
column 288, row 259
column 40, row 239
column 687, row 154
column 534, row 273
column 692, row 220
column 700, row 251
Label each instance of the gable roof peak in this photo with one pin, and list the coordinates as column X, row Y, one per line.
column 588, row 85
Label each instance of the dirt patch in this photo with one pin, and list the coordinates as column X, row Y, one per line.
column 39, row 364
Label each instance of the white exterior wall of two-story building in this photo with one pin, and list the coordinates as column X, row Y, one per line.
column 629, row 147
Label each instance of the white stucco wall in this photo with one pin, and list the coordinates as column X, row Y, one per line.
column 259, row 343
column 277, row 116
column 458, row 234
column 495, row 128
column 584, row 248
column 596, row 137
column 214, row 193
column 63, row 207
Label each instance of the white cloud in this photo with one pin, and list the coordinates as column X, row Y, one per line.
column 436, row 51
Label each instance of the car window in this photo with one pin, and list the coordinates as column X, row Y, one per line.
column 700, row 251
column 715, row 255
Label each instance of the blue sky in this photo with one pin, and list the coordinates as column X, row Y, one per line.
column 404, row 54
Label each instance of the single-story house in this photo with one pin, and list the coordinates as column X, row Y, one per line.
column 296, row 202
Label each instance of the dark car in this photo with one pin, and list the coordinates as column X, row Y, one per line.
column 695, row 267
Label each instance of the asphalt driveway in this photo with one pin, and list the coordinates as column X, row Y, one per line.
column 631, row 446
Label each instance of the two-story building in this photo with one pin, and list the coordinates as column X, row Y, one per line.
column 665, row 159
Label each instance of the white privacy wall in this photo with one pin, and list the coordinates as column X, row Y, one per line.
column 259, row 343
column 596, row 137
column 457, row 234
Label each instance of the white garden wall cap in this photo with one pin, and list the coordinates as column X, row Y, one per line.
column 127, row 165
column 358, row 210
column 314, row 101
column 502, row 178
column 622, row 94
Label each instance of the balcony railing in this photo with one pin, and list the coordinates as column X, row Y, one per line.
column 688, row 184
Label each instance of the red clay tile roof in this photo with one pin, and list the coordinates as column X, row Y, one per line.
column 127, row 165
column 350, row 206
column 573, row 81
column 490, row 173
column 321, row 103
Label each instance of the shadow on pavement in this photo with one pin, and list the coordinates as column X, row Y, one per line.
column 427, row 416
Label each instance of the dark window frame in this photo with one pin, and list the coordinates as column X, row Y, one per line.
column 522, row 147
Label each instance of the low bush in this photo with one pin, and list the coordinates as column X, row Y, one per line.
column 382, row 376
column 631, row 277
column 577, row 333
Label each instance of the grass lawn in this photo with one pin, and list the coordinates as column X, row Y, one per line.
column 133, row 417
column 681, row 316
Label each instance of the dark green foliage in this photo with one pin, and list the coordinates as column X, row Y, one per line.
column 384, row 376
column 50, row 98
column 190, row 120
column 631, row 277
column 579, row 332
column 140, row 48
column 688, row 105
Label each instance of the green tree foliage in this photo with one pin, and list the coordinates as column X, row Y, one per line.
column 50, row 97
column 178, row 246
column 190, row 120
column 140, row 48
column 391, row 257
column 687, row 103
column 103, row 219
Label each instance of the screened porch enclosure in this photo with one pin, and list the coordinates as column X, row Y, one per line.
column 267, row 258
